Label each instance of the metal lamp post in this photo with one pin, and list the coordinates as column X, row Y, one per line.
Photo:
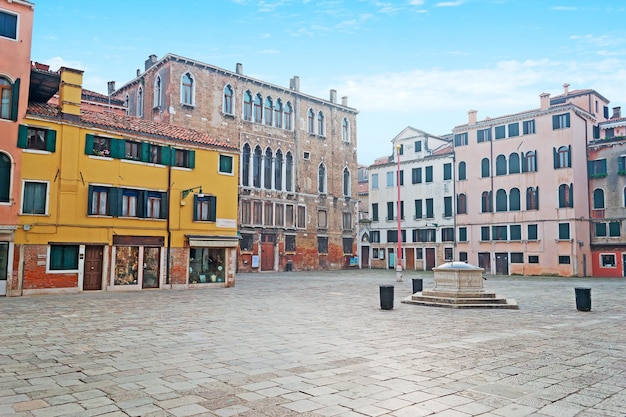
column 399, row 254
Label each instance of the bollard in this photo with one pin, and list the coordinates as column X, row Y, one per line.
column 386, row 297
column 417, row 285
column 583, row 299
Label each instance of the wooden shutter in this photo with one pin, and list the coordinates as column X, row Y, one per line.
column 51, row 140
column 118, row 148
column 89, row 139
column 144, row 155
column 90, row 200
column 191, row 159
column 22, row 136
column 15, row 99
column 164, row 206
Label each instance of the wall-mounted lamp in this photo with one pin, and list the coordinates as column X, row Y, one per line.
column 188, row 191
column 432, row 224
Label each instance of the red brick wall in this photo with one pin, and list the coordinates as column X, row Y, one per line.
column 35, row 276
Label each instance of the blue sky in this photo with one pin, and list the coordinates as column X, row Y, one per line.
column 418, row 63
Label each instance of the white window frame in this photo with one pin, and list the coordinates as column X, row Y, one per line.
column 46, row 212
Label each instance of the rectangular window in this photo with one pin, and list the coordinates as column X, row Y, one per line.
column 447, row 234
column 347, row 245
column 390, row 205
column 516, row 232
column 419, row 253
column 533, row 259
column 290, row 243
column 460, row 139
column 154, row 205
column 429, row 174
column 401, row 177
column 289, row 216
column 607, row 260
column 205, row 208
column 447, row 171
column 600, row 229
column 447, row 253
column 621, row 165
column 484, row 135
column 430, row 210
column 564, row 231
column 416, row 175
column 390, row 176
column 34, row 199
column 500, row 132
column 99, row 201
column 615, row 229
column 182, row 158
column 564, row 260
column 301, row 217
column 347, row 220
column 322, row 244
column 517, row 257
column 322, row 219
column 245, row 244
column 246, row 212
column 374, row 182
column 226, row 164
column 375, row 236
column 447, row 207
column 529, row 127
column 560, row 121
column 8, row 25
column 257, row 213
column 513, row 129
column 64, row 257
column 36, row 138
column 532, row 232
column 132, row 150
column 418, row 209
column 463, row 256
column 129, row 203
column 597, row 168
column 418, row 146
column 462, row 234
column 374, row 212
column 484, row 233
column 279, row 214
column 155, row 154
column 499, row 232
column 101, row 146
column 268, row 213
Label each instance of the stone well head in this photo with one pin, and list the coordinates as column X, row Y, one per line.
column 458, row 277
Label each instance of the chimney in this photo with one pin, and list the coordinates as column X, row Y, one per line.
column 138, row 72
column 239, row 68
column 294, row 83
column 565, row 89
column 152, row 59
column 617, row 113
column 471, row 117
column 333, row 96
column 111, row 87
column 344, row 101
column 70, row 91
column 545, row 101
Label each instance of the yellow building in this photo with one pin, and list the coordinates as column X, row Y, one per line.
column 112, row 202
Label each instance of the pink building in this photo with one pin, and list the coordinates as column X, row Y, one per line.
column 522, row 198
column 16, row 26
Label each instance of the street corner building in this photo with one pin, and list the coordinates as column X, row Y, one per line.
column 298, row 173
column 112, row 202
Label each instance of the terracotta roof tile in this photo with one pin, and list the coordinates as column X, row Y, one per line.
column 133, row 125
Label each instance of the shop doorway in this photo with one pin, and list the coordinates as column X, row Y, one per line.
column 4, row 267
column 92, row 269
column 151, row 261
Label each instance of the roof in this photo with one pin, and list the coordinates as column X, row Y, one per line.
column 132, row 125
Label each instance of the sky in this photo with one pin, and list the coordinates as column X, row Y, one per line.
column 418, row 63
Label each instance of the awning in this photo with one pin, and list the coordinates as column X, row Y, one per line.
column 213, row 241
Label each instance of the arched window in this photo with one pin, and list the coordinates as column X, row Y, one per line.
column 346, row 182
column 245, row 165
column 501, row 200
column 267, row 168
column 247, row 106
column 484, row 168
column 562, row 157
column 258, row 109
column 311, row 121
column 287, row 114
column 278, row 113
column 227, row 106
column 515, row 200
column 256, row 167
column 514, row 167
column 565, row 195
column 598, row 198
column 486, row 204
column 532, row 198
column 462, row 171
column 345, row 130
column 289, row 172
column 187, row 88
column 6, row 98
column 461, row 204
column 278, row 171
column 529, row 162
column 321, row 127
column 5, row 178
column 158, row 90
column 269, row 110
column 321, row 179
column 139, row 102
column 501, row 165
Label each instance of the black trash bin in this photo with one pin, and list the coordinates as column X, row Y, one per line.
column 417, row 285
column 289, row 266
column 583, row 299
column 386, row 297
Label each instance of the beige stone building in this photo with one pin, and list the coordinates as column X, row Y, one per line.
column 298, row 176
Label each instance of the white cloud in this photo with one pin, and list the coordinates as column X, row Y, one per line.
column 58, row 62
column 416, row 2
column 449, row 3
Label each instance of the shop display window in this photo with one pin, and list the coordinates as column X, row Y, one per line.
column 126, row 265
column 206, row 265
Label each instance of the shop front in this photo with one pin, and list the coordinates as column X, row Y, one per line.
column 137, row 263
column 212, row 260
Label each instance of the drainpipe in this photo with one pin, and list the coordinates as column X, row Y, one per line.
column 169, row 228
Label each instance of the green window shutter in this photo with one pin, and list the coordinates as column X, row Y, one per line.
column 604, row 166
column 212, row 208
column 571, row 194
column 115, row 202
column 172, row 160
column 195, row 207
column 145, row 152
column 191, row 159
column 555, row 122
column 555, row 156
column 569, row 156
column 118, row 148
column 90, row 200
column 15, row 99
column 164, row 206
column 22, row 136
column 142, row 203
column 51, row 140
column 567, row 120
column 166, row 153
column 89, row 139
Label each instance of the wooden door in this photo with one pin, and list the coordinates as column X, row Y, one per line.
column 430, row 259
column 484, row 261
column 502, row 263
column 409, row 259
column 92, row 272
column 365, row 256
